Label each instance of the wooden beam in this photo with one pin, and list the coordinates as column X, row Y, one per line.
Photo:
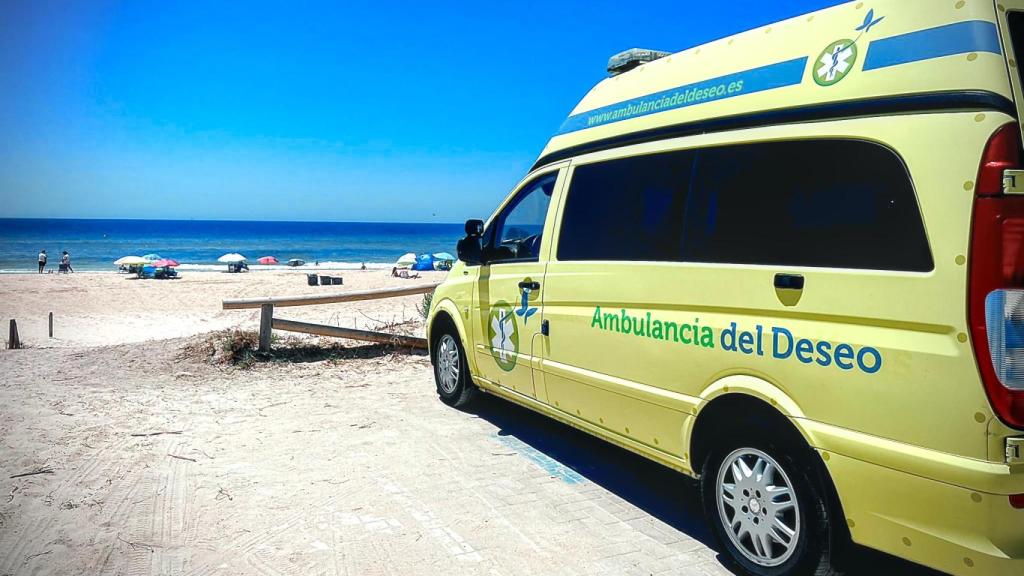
column 350, row 333
column 242, row 303
column 13, row 341
column 266, row 318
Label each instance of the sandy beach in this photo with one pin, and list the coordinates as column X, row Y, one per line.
column 94, row 309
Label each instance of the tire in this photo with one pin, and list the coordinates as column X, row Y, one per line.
column 743, row 526
column 451, row 372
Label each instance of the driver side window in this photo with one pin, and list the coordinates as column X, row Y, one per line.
column 517, row 231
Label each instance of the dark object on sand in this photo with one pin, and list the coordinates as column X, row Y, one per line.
column 296, row 262
column 325, row 281
column 13, row 341
column 311, row 279
column 337, row 280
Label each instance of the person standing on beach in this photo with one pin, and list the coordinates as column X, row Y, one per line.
column 42, row 261
column 65, row 259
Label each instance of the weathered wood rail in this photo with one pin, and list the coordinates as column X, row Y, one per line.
column 268, row 323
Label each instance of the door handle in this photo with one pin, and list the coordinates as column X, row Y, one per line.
column 527, row 285
column 789, row 281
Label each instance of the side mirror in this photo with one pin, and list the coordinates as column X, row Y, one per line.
column 469, row 248
column 474, row 228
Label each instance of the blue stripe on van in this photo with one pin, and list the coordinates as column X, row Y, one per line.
column 959, row 38
column 760, row 79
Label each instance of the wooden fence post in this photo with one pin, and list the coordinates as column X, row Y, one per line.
column 51, row 324
column 13, row 342
column 266, row 325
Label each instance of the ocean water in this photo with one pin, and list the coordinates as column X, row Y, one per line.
column 196, row 244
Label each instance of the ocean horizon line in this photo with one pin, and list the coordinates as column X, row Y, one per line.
column 215, row 220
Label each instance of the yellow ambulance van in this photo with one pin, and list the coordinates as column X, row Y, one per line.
column 789, row 263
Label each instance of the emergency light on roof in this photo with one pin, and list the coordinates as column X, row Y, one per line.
column 629, row 59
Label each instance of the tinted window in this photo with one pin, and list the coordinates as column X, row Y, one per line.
column 826, row 203
column 516, row 233
column 626, row 209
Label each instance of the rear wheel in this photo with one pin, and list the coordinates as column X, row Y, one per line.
column 766, row 509
column 451, row 373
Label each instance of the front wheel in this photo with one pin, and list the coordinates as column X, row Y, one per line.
column 451, row 373
column 767, row 511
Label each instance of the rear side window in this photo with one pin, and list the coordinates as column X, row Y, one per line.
column 823, row 203
column 828, row 203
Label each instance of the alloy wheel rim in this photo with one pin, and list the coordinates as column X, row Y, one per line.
column 758, row 507
column 448, row 364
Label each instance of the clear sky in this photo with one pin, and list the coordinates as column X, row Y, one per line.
column 335, row 110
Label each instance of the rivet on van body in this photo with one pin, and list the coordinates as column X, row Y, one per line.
column 655, row 441
column 859, row 5
column 979, row 117
column 577, row 411
column 851, row 523
column 960, row 260
column 768, row 30
column 968, row 562
column 697, row 51
column 959, row 4
column 601, row 420
column 556, row 403
column 1001, row 8
column 972, row 56
column 725, row 388
column 825, row 456
column 968, row 185
column 961, row 337
column 810, row 18
column 906, row 541
column 976, row 497
column 627, row 429
column 1012, row 63
column 731, row 40
column 979, row 418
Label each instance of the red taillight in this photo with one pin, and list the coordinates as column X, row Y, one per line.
column 1017, row 501
column 996, row 263
column 1001, row 153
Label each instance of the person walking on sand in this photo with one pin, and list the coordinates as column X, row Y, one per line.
column 65, row 259
column 42, row 261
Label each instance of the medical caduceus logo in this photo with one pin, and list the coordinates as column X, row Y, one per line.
column 503, row 335
column 837, row 59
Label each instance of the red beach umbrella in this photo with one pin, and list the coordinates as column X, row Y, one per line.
column 164, row 263
column 267, row 260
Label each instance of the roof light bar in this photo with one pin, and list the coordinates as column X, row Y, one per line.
column 629, row 59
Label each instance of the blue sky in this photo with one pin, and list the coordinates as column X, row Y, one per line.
column 335, row 111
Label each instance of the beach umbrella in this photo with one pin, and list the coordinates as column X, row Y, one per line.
column 150, row 257
column 267, row 260
column 444, row 257
column 131, row 261
column 164, row 263
column 406, row 260
column 231, row 258
column 424, row 262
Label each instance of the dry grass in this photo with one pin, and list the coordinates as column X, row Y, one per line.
column 240, row 348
